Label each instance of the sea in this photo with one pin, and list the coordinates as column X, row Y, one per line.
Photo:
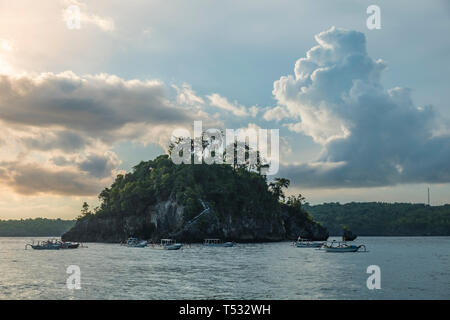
column 392, row 268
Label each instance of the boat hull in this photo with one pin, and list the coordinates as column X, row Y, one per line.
column 225, row 244
column 308, row 245
column 343, row 249
column 70, row 245
column 176, row 246
column 52, row 247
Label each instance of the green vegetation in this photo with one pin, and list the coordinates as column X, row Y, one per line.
column 227, row 189
column 383, row 219
column 38, row 227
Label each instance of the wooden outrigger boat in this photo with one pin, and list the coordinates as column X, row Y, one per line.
column 303, row 243
column 52, row 244
column 217, row 243
column 43, row 245
column 136, row 243
column 166, row 244
column 338, row 246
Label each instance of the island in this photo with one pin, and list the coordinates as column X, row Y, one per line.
column 192, row 202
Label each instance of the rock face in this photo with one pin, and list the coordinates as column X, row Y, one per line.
column 166, row 220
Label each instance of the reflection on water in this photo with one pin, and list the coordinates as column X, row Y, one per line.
column 411, row 268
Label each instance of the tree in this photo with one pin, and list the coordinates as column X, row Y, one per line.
column 277, row 187
column 296, row 201
column 84, row 211
column 252, row 159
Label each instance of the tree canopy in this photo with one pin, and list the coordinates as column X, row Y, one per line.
column 383, row 219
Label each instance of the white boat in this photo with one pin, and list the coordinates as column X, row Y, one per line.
column 217, row 243
column 338, row 246
column 302, row 243
column 166, row 244
column 136, row 243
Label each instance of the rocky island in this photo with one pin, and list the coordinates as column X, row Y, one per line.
column 159, row 199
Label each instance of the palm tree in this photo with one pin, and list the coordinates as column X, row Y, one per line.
column 277, row 187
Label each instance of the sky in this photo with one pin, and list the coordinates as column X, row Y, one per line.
column 363, row 114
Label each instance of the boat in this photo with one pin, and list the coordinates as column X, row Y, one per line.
column 170, row 244
column 44, row 245
column 69, row 245
column 340, row 246
column 166, row 244
column 136, row 243
column 303, row 243
column 217, row 243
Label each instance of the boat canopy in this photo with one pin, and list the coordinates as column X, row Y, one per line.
column 213, row 241
column 167, row 241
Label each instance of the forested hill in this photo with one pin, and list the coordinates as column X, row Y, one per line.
column 159, row 199
column 383, row 219
column 38, row 227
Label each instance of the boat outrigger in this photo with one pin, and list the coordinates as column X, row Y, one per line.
column 217, row 243
column 340, row 246
column 304, row 243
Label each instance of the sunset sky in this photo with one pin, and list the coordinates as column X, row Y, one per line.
column 363, row 114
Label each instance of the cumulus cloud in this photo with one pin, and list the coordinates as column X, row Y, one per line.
column 277, row 113
column 370, row 136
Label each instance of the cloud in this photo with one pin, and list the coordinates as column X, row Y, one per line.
column 33, row 178
column 370, row 136
column 69, row 14
column 66, row 141
column 220, row 102
column 276, row 114
column 187, row 96
column 100, row 106
column 95, row 164
column 6, row 49
column 58, row 128
column 99, row 166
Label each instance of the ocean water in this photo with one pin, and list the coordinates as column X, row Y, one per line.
column 411, row 268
